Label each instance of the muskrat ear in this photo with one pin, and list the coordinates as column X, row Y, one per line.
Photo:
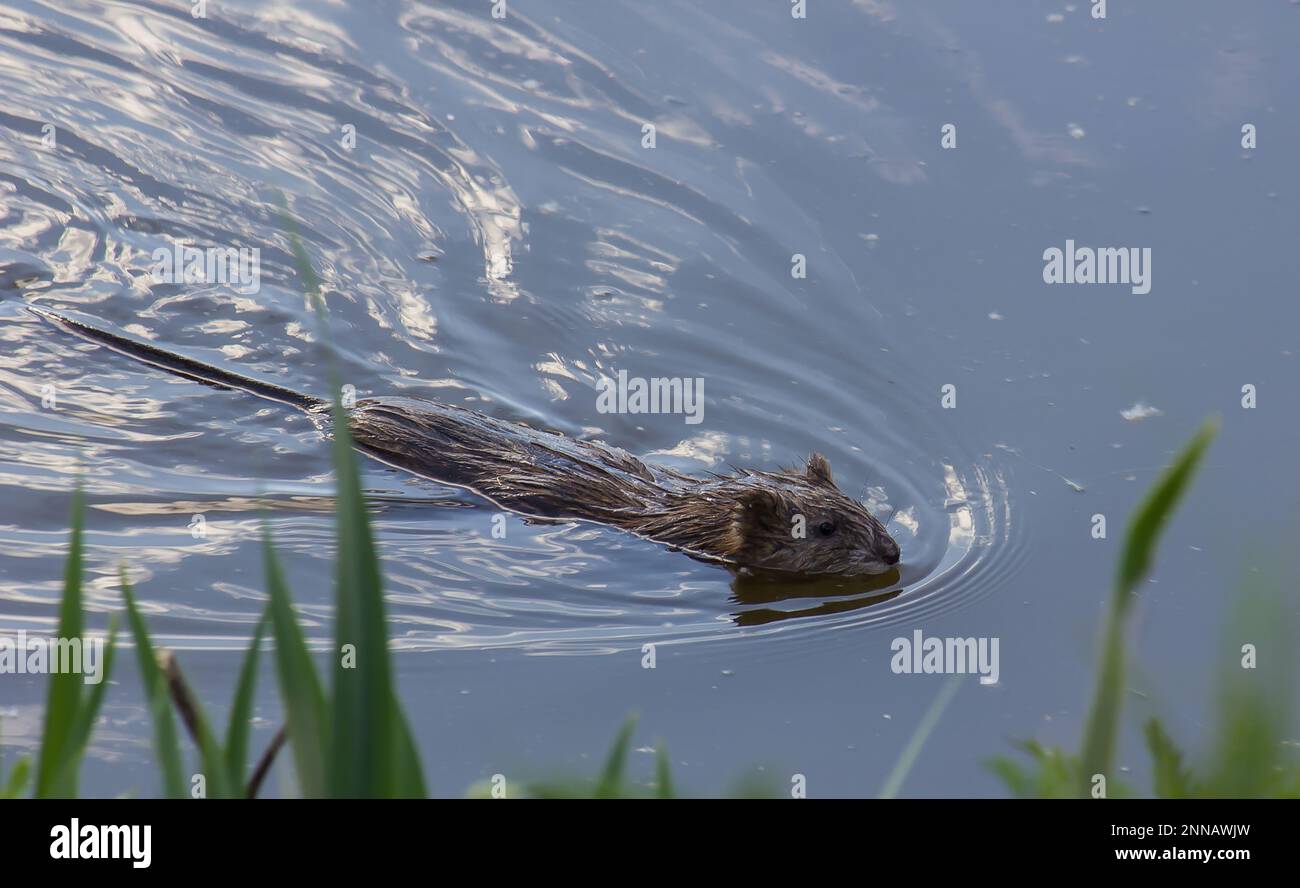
column 819, row 469
column 762, row 509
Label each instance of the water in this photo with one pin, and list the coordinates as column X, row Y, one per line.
column 499, row 237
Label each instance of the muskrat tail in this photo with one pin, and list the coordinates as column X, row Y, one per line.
column 178, row 364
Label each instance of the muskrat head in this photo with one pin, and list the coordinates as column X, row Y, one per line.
column 799, row 521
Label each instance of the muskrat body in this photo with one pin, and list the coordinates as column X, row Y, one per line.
column 789, row 522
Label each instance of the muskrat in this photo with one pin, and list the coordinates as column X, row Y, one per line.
column 746, row 521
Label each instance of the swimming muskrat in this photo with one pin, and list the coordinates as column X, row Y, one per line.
column 746, row 521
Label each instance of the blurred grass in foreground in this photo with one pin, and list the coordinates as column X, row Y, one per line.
column 1252, row 755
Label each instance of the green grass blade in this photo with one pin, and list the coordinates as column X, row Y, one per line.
column 927, row 724
column 1172, row 780
column 610, row 783
column 663, row 773
column 159, row 700
column 1254, row 752
column 1135, row 561
column 241, row 710
column 306, row 711
column 220, row 784
column 371, row 752
column 408, row 775
column 88, row 712
column 311, row 283
column 365, row 726
column 1013, row 775
column 1153, row 515
column 18, row 778
column 756, row 786
column 1103, row 715
column 64, row 698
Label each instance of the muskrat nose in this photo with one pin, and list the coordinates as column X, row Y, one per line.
column 892, row 555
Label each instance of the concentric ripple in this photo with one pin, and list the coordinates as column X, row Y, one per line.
column 497, row 234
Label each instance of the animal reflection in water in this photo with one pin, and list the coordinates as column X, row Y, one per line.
column 832, row 595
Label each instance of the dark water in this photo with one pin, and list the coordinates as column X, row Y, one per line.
column 499, row 237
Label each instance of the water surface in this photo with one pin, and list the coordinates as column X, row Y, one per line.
column 500, row 237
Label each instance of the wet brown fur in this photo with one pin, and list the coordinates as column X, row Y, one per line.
column 745, row 520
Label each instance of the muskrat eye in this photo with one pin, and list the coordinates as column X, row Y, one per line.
column 826, row 528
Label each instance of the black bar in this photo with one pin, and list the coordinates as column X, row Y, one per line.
column 330, row 838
